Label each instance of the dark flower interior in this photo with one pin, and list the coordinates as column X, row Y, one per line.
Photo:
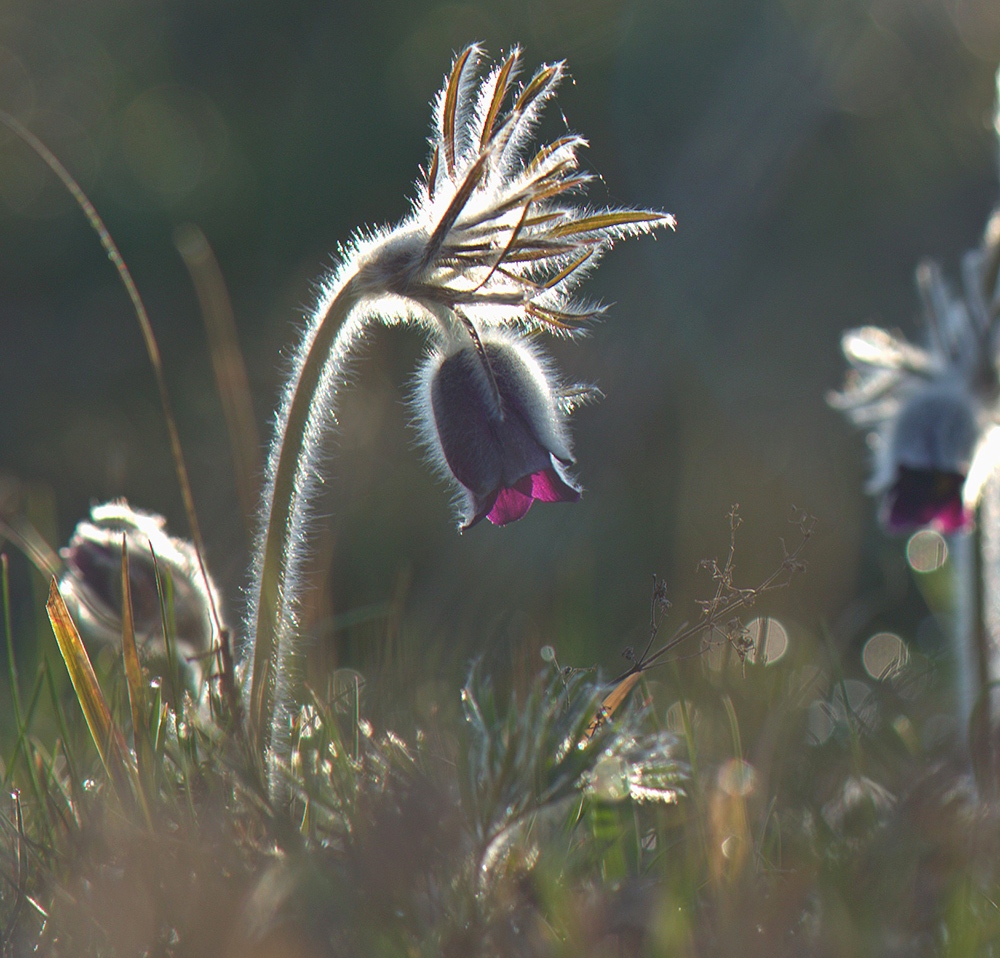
column 926, row 497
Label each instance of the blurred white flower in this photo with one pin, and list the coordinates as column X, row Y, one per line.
column 932, row 410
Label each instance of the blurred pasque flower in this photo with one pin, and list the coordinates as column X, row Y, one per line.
column 930, row 449
column 91, row 581
column 493, row 419
column 932, row 411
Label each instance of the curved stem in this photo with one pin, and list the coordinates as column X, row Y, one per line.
column 292, row 470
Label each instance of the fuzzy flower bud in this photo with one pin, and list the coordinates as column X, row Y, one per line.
column 494, row 422
column 91, row 582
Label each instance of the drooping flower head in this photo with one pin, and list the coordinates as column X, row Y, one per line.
column 932, row 411
column 495, row 421
column 492, row 251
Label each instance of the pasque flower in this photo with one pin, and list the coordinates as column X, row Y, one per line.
column 491, row 252
column 931, row 410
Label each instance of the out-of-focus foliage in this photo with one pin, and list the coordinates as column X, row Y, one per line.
column 775, row 808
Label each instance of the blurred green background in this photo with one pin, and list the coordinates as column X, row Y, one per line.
column 812, row 150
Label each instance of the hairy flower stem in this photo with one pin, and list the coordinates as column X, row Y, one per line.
column 989, row 634
column 976, row 575
column 281, row 551
column 970, row 666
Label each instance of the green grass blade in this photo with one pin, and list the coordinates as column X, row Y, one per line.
column 9, row 634
column 22, row 748
column 75, row 779
column 165, row 597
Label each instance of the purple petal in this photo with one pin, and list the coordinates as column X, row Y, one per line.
column 545, row 486
column 926, row 497
column 512, row 504
column 496, row 443
column 549, row 486
column 466, row 422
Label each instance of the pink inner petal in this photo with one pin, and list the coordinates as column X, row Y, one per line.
column 547, row 486
column 927, row 498
column 953, row 517
column 512, row 504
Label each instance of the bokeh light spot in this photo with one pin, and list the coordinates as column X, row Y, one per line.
column 173, row 139
column 737, row 778
column 884, row 655
column 609, row 779
column 978, row 24
column 769, row 638
column 926, row 551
